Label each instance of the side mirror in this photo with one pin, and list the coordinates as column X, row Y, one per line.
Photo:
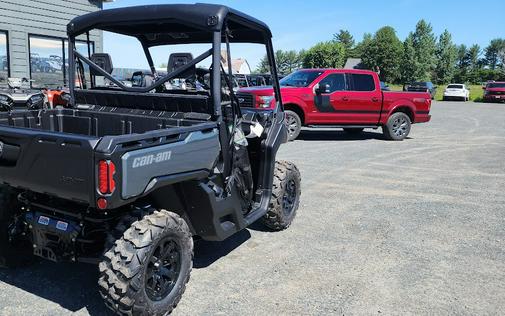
column 320, row 89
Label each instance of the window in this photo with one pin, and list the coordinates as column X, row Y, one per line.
column 302, row 78
column 361, row 82
column 48, row 64
column 4, row 58
column 336, row 82
column 455, row 86
column 82, row 48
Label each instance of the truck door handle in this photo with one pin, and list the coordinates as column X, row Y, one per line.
column 345, row 99
column 375, row 99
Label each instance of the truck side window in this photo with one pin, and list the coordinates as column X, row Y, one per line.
column 335, row 81
column 361, row 82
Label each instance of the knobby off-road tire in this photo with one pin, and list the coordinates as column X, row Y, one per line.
column 147, row 269
column 13, row 253
column 398, row 127
column 285, row 198
column 294, row 124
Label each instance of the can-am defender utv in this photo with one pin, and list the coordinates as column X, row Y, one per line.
column 126, row 177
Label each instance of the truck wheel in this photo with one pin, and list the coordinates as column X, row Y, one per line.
column 398, row 127
column 294, row 124
column 147, row 269
column 285, row 198
column 353, row 131
column 13, row 253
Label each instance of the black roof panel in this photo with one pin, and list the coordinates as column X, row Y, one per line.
column 173, row 23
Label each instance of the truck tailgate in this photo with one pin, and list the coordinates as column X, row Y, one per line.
column 46, row 162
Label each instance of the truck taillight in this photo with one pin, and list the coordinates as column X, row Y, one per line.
column 106, row 170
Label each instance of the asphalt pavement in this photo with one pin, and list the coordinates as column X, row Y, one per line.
column 412, row 227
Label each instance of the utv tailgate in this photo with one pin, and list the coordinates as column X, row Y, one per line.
column 52, row 163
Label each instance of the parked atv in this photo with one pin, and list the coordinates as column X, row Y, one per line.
column 126, row 177
column 19, row 95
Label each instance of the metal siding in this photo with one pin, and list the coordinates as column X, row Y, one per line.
column 39, row 17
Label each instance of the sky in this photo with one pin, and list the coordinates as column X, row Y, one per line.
column 299, row 24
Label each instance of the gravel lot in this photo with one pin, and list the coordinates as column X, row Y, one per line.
column 416, row 227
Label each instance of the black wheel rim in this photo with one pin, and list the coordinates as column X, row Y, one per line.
column 400, row 126
column 289, row 198
column 292, row 124
column 163, row 270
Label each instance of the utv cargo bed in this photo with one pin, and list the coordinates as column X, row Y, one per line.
column 65, row 147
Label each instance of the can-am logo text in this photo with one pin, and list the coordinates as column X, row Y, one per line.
column 150, row 159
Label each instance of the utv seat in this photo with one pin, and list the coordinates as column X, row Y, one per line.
column 104, row 61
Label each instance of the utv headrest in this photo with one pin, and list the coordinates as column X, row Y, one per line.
column 102, row 60
column 178, row 60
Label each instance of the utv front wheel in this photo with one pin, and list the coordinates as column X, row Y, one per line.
column 285, row 198
column 146, row 271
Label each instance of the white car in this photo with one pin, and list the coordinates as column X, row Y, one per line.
column 456, row 91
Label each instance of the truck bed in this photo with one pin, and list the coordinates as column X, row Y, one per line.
column 56, row 151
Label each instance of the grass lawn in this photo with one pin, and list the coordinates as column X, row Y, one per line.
column 476, row 92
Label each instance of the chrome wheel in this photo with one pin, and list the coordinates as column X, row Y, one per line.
column 292, row 124
column 400, row 126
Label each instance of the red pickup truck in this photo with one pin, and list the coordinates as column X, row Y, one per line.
column 342, row 98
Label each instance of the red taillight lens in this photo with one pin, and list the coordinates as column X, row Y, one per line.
column 106, row 171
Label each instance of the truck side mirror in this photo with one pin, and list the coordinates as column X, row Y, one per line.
column 321, row 88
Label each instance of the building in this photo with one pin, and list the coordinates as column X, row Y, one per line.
column 353, row 63
column 238, row 65
column 32, row 38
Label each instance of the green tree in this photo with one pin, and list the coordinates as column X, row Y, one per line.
column 385, row 52
column 425, row 48
column 462, row 64
column 473, row 55
column 360, row 48
column 446, row 58
column 408, row 69
column 494, row 52
column 345, row 38
column 287, row 62
column 474, row 63
column 263, row 66
column 325, row 55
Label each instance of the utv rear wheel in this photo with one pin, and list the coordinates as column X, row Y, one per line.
column 146, row 271
column 13, row 252
column 285, row 198
column 294, row 123
column 398, row 127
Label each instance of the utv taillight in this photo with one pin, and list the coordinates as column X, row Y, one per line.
column 106, row 170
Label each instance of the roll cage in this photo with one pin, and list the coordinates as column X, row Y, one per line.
column 170, row 25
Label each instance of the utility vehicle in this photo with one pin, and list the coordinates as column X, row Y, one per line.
column 19, row 95
column 127, row 177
